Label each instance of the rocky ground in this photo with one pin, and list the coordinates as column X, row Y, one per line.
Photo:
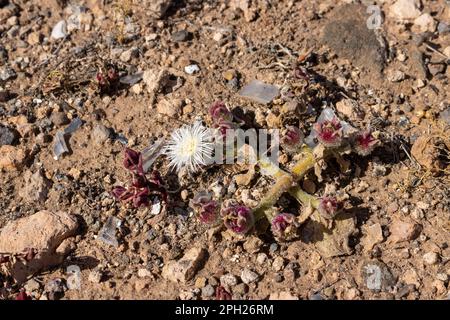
column 394, row 79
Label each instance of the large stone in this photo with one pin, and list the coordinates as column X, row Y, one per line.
column 59, row 31
column 44, row 231
column 431, row 258
column 347, row 34
column 248, row 276
column 184, row 269
column 228, row 281
column 7, row 73
column 377, row 276
column 100, row 134
column 253, row 244
column 155, row 81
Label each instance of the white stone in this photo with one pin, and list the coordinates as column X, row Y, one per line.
column 278, row 263
column 218, row 36
column 420, row 83
column 228, row 280
column 127, row 55
column 262, row 258
column 395, row 75
column 144, row 273
column 59, row 30
column 425, row 23
column 422, row 205
column 431, row 258
column 248, row 276
column 405, row 9
column 184, row 269
column 191, row 69
column 401, row 56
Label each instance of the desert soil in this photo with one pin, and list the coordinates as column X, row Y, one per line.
column 394, row 79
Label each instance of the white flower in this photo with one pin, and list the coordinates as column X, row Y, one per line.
column 190, row 147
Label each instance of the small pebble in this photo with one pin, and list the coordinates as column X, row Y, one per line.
column 273, row 247
column 191, row 69
column 208, row 291
column 248, row 276
column 431, row 258
column 180, row 36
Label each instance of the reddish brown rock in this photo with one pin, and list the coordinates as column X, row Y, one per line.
column 184, row 269
column 373, row 236
column 44, row 231
column 404, row 230
column 11, row 158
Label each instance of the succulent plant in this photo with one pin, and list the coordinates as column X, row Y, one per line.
column 328, row 207
column 133, row 161
column 237, row 217
column 284, row 226
column 107, row 79
column 222, row 118
column 364, row 142
column 22, row 295
column 219, row 112
column 141, row 189
column 207, row 209
column 292, row 139
column 329, row 132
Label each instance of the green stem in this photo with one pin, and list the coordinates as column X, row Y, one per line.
column 303, row 197
column 282, row 185
column 302, row 166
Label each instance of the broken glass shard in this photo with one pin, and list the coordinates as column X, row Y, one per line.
column 108, row 233
column 259, row 91
column 151, row 153
column 73, row 126
column 60, row 146
column 156, row 206
column 132, row 79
